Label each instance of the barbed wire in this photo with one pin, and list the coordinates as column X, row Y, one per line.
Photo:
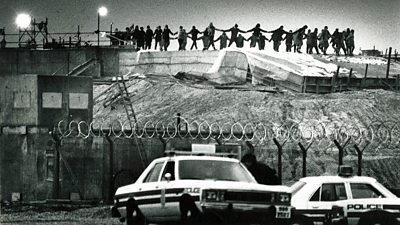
column 379, row 133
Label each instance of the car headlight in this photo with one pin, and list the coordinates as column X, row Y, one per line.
column 283, row 198
column 214, row 195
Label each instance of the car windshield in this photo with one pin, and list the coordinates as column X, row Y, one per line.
column 213, row 170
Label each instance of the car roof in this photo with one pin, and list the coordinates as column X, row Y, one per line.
column 332, row 179
column 192, row 157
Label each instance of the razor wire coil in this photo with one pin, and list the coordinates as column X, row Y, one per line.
column 381, row 133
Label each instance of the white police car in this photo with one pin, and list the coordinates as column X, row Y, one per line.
column 363, row 200
column 205, row 189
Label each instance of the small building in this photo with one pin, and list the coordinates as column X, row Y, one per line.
column 371, row 52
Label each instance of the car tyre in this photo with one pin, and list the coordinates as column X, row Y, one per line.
column 131, row 208
column 378, row 217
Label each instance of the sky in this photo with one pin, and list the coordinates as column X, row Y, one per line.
column 376, row 23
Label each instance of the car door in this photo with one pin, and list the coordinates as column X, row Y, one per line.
column 326, row 195
column 149, row 192
column 170, row 192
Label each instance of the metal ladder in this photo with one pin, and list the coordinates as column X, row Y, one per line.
column 130, row 112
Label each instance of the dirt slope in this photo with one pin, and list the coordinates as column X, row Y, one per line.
column 159, row 98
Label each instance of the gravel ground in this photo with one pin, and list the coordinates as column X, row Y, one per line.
column 61, row 214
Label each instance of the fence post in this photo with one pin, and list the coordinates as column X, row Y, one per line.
column 388, row 64
column 341, row 150
column 334, row 77
column 279, row 159
column 365, row 76
column 111, row 168
column 178, row 122
column 397, row 82
column 304, row 156
column 359, row 156
column 348, row 79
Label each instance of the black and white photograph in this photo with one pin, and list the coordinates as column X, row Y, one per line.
column 199, row 112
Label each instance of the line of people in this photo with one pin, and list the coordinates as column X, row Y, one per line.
column 293, row 40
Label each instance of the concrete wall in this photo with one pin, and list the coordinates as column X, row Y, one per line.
column 26, row 160
column 58, row 61
column 76, row 99
column 23, row 163
column 92, row 167
column 170, row 62
column 37, row 100
column 216, row 66
column 18, row 100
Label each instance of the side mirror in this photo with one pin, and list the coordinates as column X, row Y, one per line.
column 167, row 176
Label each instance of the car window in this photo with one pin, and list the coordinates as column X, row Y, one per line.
column 360, row 190
column 169, row 168
column 315, row 197
column 330, row 192
column 154, row 174
column 213, row 170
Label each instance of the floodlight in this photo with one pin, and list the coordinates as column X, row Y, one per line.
column 23, row 20
column 102, row 11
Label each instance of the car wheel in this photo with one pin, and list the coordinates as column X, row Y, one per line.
column 131, row 209
column 378, row 217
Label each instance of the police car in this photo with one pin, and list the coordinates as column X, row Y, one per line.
column 200, row 189
column 363, row 200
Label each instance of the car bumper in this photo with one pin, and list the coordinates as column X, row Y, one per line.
column 247, row 212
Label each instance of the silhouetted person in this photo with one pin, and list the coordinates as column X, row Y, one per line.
column 182, row 38
column 308, row 43
column 298, row 37
column 206, row 41
column 257, row 30
column 141, row 37
column 289, row 41
column 276, row 37
column 165, row 38
column 335, row 38
column 210, row 30
column 128, row 36
column 240, row 41
column 148, row 37
column 324, row 39
column 261, row 172
column 194, row 33
column 253, row 41
column 350, row 43
column 345, row 35
column 223, row 40
column 135, row 37
column 157, row 37
column 234, row 34
column 338, row 41
column 314, row 41
column 261, row 42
